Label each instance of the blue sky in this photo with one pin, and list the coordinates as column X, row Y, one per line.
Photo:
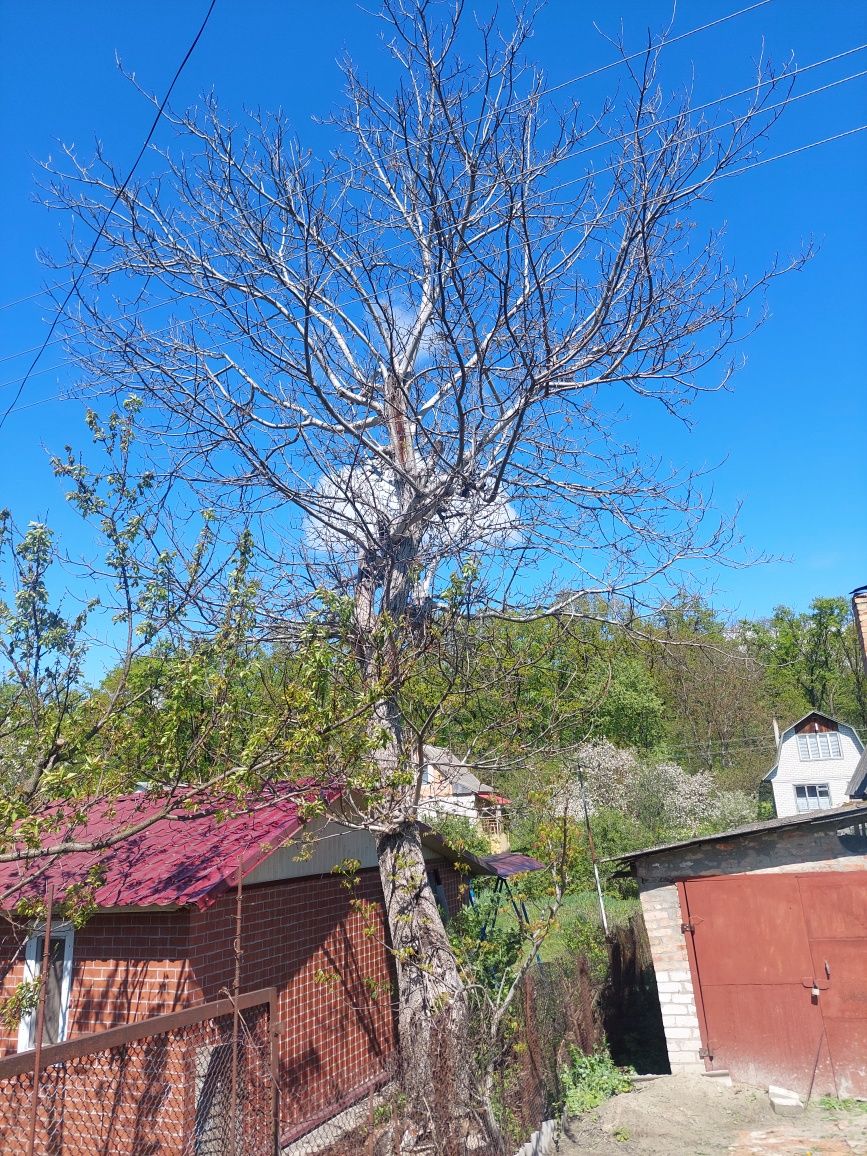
column 791, row 433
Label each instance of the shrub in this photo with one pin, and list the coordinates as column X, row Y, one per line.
column 460, row 834
column 588, row 1080
column 583, row 936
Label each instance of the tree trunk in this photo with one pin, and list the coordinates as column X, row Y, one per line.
column 432, row 1002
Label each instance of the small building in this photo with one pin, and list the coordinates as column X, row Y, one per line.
column 160, row 938
column 759, row 943
column 815, row 769
column 450, row 787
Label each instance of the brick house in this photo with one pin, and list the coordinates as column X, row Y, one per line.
column 450, row 787
column 759, row 943
column 161, row 938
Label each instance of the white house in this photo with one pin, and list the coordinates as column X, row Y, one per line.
column 449, row 787
column 817, row 758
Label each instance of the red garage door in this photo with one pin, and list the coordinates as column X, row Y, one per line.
column 780, row 966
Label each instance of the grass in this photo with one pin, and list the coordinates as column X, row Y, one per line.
column 590, row 1080
column 579, row 905
column 832, row 1104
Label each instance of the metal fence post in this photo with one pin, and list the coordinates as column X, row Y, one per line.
column 236, row 1016
column 40, row 1019
column 274, row 1057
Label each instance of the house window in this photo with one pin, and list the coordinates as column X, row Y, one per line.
column 426, row 775
column 812, row 796
column 819, row 745
column 59, row 982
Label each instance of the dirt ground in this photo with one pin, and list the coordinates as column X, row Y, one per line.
column 695, row 1116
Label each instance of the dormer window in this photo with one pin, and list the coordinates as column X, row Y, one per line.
column 819, row 745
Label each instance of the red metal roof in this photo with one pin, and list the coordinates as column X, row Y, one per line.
column 490, row 797
column 509, row 863
column 186, row 859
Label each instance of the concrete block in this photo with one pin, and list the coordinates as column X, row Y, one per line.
column 784, row 1101
column 723, row 1076
column 787, row 1107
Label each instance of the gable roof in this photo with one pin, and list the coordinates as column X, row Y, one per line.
column 186, row 859
column 813, row 714
column 462, row 780
column 841, row 726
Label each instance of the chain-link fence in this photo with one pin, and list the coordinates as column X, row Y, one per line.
column 556, row 1006
column 559, row 1005
column 199, row 1082
column 203, row 1081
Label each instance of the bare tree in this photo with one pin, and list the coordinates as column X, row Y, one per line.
column 401, row 364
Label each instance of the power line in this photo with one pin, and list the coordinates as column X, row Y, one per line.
column 365, row 168
column 77, row 279
column 578, row 152
column 362, row 300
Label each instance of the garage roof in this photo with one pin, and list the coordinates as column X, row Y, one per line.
column 849, row 813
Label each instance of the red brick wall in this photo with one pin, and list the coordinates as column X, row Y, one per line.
column 125, row 967
column 11, row 974
column 306, row 938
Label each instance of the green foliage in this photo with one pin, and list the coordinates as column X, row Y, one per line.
column 589, row 1080
column 20, row 1003
column 583, row 935
column 833, row 1104
column 812, row 661
column 487, row 951
column 632, row 712
column 460, row 834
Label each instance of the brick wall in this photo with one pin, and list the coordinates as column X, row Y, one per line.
column 326, row 958
column 306, row 937
column 662, row 918
column 800, row 849
column 125, row 967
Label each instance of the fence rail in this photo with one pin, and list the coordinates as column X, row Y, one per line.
column 198, row 1082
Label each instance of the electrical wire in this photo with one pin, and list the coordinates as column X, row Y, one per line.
column 357, row 169
column 362, row 300
column 77, row 279
column 578, row 152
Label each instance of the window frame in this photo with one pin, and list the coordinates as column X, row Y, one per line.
column 823, row 803
column 803, row 742
column 32, row 969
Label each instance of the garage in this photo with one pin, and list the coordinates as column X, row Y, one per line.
column 759, row 943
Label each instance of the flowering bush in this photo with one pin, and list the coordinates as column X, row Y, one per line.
column 661, row 798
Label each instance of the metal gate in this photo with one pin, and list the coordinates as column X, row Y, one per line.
column 779, row 966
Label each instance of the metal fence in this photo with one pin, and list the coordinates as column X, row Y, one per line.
column 559, row 1005
column 198, row 1082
